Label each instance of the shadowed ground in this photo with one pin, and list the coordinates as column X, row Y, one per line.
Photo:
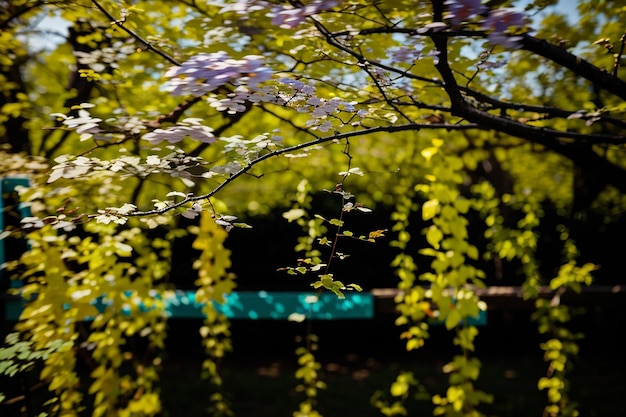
column 361, row 357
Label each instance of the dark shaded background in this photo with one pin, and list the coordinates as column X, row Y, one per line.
column 361, row 357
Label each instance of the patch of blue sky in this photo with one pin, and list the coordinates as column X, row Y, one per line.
column 46, row 32
column 567, row 8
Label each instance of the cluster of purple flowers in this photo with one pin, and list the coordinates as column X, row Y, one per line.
column 189, row 127
column 411, row 53
column 284, row 16
column 302, row 96
column 289, row 18
column 498, row 21
column 206, row 72
column 460, row 11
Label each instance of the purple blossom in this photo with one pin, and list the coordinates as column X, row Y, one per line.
column 252, row 66
column 190, row 127
column 507, row 41
column 204, row 73
column 410, row 54
column 499, row 22
column 460, row 11
column 244, row 7
column 235, row 102
column 298, row 91
column 267, row 94
column 296, row 84
column 289, row 18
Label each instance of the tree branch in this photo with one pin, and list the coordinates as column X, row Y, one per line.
column 337, row 136
column 548, row 111
column 579, row 66
column 134, row 34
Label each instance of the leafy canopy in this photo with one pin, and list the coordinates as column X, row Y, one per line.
column 486, row 128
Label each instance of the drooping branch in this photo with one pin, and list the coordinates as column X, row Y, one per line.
column 599, row 77
column 572, row 145
column 551, row 138
column 305, row 145
column 545, row 111
column 576, row 64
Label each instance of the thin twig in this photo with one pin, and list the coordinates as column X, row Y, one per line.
column 338, row 233
column 338, row 136
column 135, row 35
column 618, row 56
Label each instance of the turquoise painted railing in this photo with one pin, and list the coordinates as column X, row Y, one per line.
column 249, row 305
column 12, row 305
column 276, row 305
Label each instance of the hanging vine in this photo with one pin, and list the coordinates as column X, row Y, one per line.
column 214, row 283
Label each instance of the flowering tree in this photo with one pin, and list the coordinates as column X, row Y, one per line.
column 142, row 114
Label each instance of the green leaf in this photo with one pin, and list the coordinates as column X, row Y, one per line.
column 399, row 388
column 453, row 319
column 294, row 214
column 242, row 225
column 430, row 209
column 434, row 236
column 336, row 222
column 4, row 365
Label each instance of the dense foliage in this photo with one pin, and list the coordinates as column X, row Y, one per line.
column 490, row 132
